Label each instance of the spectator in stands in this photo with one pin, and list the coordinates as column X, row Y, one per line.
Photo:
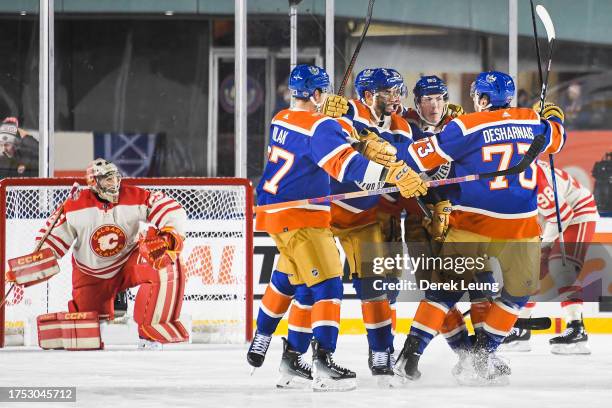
column 522, row 99
column 571, row 102
column 18, row 151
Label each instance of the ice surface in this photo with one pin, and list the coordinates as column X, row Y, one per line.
column 218, row 376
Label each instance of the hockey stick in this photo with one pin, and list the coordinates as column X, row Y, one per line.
column 533, row 323
column 349, row 69
column 536, row 147
column 550, row 33
column 71, row 194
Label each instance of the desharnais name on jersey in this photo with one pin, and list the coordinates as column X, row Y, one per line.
column 105, row 234
column 504, row 207
column 305, row 150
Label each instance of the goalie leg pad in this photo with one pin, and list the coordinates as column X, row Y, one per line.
column 158, row 303
column 69, row 331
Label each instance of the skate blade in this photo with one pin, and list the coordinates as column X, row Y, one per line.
column 292, row 382
column 388, row 381
column 252, row 371
column 570, row 349
column 331, row 385
column 515, row 346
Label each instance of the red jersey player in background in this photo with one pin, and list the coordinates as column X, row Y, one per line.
column 103, row 223
column 578, row 219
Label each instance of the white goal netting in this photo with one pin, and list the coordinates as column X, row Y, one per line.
column 217, row 257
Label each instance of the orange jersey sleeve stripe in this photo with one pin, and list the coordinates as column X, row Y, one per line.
column 299, row 319
column 326, row 312
column 342, row 218
column 429, row 317
column 499, row 319
column 336, row 164
column 376, row 313
column 452, row 321
column 556, row 138
column 495, row 227
column 291, row 219
column 275, row 302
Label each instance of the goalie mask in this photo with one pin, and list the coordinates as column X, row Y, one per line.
column 104, row 179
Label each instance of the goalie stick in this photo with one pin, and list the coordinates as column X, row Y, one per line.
column 531, row 154
column 550, row 34
column 349, row 69
column 71, row 194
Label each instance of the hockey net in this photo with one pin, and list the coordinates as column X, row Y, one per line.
column 217, row 256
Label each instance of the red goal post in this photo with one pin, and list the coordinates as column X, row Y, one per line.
column 217, row 256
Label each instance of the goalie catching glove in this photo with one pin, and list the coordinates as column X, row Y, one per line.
column 438, row 224
column 335, row 106
column 375, row 148
column 160, row 247
column 403, row 177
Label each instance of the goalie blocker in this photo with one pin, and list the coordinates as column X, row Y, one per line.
column 32, row 268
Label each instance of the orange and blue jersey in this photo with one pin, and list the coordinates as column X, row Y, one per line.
column 307, row 149
column 362, row 211
column 504, row 207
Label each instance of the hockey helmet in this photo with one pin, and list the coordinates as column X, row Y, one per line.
column 383, row 79
column 104, row 179
column 430, row 85
column 363, row 82
column 497, row 86
column 305, row 79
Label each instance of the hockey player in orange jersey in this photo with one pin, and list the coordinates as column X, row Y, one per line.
column 109, row 255
column 306, row 149
column 490, row 217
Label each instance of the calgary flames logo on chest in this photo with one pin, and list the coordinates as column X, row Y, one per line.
column 108, row 240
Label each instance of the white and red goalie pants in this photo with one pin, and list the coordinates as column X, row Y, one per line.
column 158, row 302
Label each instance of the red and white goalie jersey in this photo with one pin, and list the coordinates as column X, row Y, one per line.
column 576, row 203
column 105, row 234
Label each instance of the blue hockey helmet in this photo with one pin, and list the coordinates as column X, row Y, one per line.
column 363, row 81
column 383, row 79
column 305, row 79
column 497, row 86
column 430, row 85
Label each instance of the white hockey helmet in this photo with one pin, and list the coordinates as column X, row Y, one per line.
column 104, row 179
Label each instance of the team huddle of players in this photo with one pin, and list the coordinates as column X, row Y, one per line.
column 324, row 144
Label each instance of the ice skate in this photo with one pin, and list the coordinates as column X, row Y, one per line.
column 295, row 371
column 407, row 365
column 257, row 350
column 485, row 369
column 572, row 341
column 381, row 366
column 517, row 340
column 146, row 344
column 327, row 375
